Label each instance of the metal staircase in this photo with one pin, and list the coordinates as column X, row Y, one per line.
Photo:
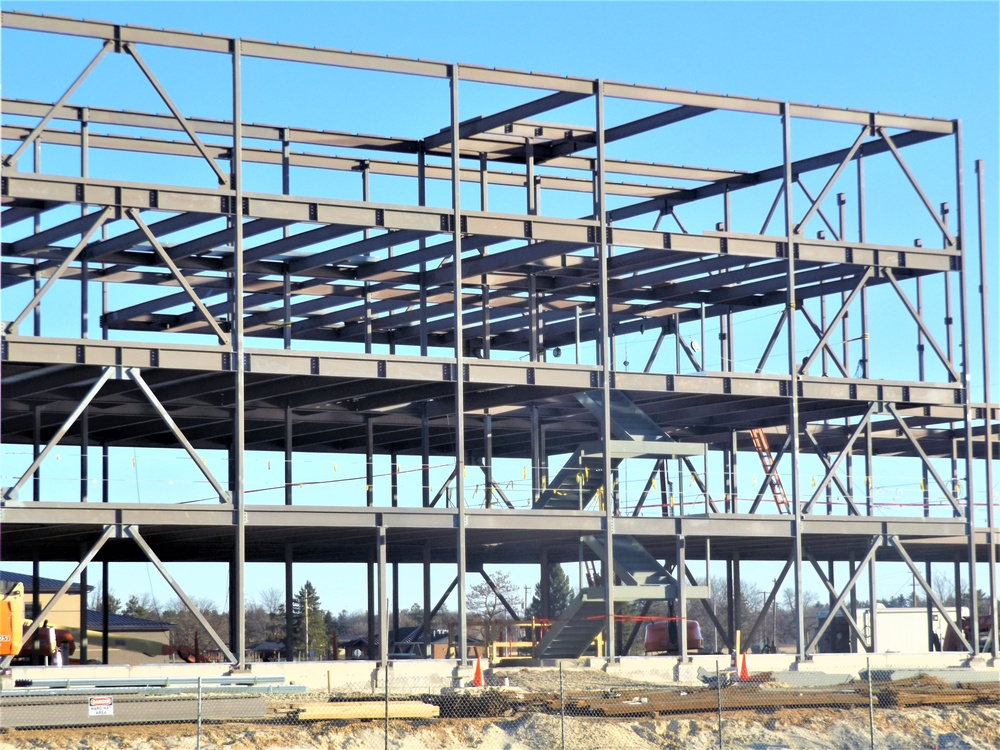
column 575, row 486
column 634, row 435
column 577, row 627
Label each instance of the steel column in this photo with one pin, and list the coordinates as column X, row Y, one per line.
column 966, row 380
column 456, row 205
column 383, row 599
column 237, row 597
column 991, row 538
column 604, row 343
column 793, row 417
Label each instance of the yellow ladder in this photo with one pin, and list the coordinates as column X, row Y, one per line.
column 767, row 461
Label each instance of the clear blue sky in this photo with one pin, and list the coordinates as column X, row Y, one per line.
column 927, row 58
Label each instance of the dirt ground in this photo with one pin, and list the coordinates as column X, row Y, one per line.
column 535, row 725
column 954, row 728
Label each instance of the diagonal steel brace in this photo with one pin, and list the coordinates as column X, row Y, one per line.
column 825, row 337
column 774, row 205
column 894, row 541
column 916, row 186
column 829, row 183
column 133, row 214
column 772, row 341
column 825, row 458
column 500, row 596
column 823, row 344
column 839, row 603
column 836, row 464
column 133, row 533
column 858, row 630
column 649, row 485
column 920, row 323
column 808, row 195
column 923, row 457
column 10, row 492
column 710, row 611
column 108, row 532
column 99, row 218
column 136, row 377
column 176, row 112
column 771, row 597
column 33, row 135
column 418, row 633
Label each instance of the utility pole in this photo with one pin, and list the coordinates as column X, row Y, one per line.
column 307, row 620
column 525, row 602
column 774, row 619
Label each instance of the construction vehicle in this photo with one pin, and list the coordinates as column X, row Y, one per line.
column 50, row 641
column 662, row 637
column 952, row 642
column 13, row 625
column 11, row 618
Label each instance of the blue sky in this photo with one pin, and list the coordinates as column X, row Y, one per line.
column 927, row 58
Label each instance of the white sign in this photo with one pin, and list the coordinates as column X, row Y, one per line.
column 102, row 705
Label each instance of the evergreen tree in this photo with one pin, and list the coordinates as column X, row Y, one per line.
column 142, row 608
column 560, row 594
column 309, row 624
column 96, row 602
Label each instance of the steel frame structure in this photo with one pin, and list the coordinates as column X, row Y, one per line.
column 344, row 285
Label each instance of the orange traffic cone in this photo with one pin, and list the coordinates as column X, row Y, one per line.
column 477, row 677
column 744, row 673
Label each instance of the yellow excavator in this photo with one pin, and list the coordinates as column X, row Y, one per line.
column 11, row 619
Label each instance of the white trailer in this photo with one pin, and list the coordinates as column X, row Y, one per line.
column 901, row 630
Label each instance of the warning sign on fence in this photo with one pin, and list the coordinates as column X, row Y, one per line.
column 101, row 705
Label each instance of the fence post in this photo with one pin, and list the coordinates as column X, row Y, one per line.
column 197, row 743
column 718, row 687
column 871, row 705
column 386, row 668
column 562, row 707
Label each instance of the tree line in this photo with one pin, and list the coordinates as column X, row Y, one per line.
column 314, row 629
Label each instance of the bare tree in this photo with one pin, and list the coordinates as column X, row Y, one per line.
column 186, row 627
column 272, row 602
column 487, row 608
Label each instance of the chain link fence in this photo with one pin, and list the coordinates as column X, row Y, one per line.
column 569, row 706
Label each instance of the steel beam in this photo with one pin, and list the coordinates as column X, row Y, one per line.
column 798, row 511
column 176, row 272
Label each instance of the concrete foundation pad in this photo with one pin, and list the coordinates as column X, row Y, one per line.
column 428, row 675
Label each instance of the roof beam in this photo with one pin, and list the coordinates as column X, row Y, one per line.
column 485, row 123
